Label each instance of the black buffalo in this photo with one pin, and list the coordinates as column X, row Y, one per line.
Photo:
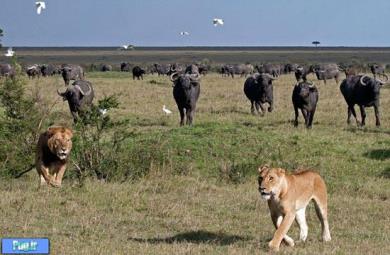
column 258, row 89
column 186, row 90
column 125, row 67
column 34, row 71
column 79, row 96
column 138, row 73
column 305, row 97
column 72, row 72
column 106, row 68
column 363, row 91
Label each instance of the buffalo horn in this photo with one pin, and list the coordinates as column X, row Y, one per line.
column 361, row 80
column 174, row 76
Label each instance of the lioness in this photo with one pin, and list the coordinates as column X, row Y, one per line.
column 287, row 196
column 53, row 149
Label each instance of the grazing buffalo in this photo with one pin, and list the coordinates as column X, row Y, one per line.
column 272, row 69
column 186, row 90
column 72, row 72
column 6, row 70
column 138, row 73
column 79, row 96
column 327, row 71
column 33, row 71
column 106, row 68
column 350, row 70
column 377, row 69
column 363, row 91
column 125, row 67
column 258, row 89
column 305, row 97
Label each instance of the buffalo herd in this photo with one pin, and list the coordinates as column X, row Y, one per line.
column 356, row 88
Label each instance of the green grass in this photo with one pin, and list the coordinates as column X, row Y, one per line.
column 200, row 192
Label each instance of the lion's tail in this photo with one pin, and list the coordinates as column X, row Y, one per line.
column 25, row 171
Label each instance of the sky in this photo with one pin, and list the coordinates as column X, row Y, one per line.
column 159, row 22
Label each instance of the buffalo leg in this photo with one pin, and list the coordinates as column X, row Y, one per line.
column 259, row 104
column 311, row 117
column 181, row 110
column 378, row 122
column 351, row 110
column 363, row 114
column 296, row 116
column 253, row 107
column 271, row 106
column 190, row 115
column 304, row 113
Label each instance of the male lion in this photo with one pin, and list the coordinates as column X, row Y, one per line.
column 52, row 153
column 287, row 196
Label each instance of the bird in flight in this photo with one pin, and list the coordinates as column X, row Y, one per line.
column 166, row 110
column 40, row 5
column 218, row 22
column 9, row 53
column 184, row 33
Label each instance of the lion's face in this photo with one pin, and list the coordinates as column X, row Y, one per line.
column 60, row 141
column 270, row 182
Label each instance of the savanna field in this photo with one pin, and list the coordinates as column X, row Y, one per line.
column 198, row 193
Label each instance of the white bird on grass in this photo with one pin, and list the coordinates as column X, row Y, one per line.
column 217, row 21
column 103, row 111
column 40, row 5
column 184, row 33
column 166, row 110
column 9, row 53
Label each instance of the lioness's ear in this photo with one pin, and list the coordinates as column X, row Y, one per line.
column 263, row 168
column 281, row 171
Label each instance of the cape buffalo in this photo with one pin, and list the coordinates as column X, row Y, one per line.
column 363, row 91
column 49, row 70
column 33, row 71
column 79, row 96
column 305, row 97
column 161, row 69
column 138, row 72
column 125, row 67
column 301, row 72
column 106, row 68
column 72, row 72
column 327, row 71
column 377, row 69
column 186, row 90
column 6, row 70
column 273, row 69
column 258, row 89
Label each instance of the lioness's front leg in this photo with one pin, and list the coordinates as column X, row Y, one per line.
column 282, row 230
column 277, row 220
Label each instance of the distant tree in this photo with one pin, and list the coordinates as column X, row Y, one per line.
column 316, row 43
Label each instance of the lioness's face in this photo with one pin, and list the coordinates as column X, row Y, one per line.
column 61, row 142
column 270, row 180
